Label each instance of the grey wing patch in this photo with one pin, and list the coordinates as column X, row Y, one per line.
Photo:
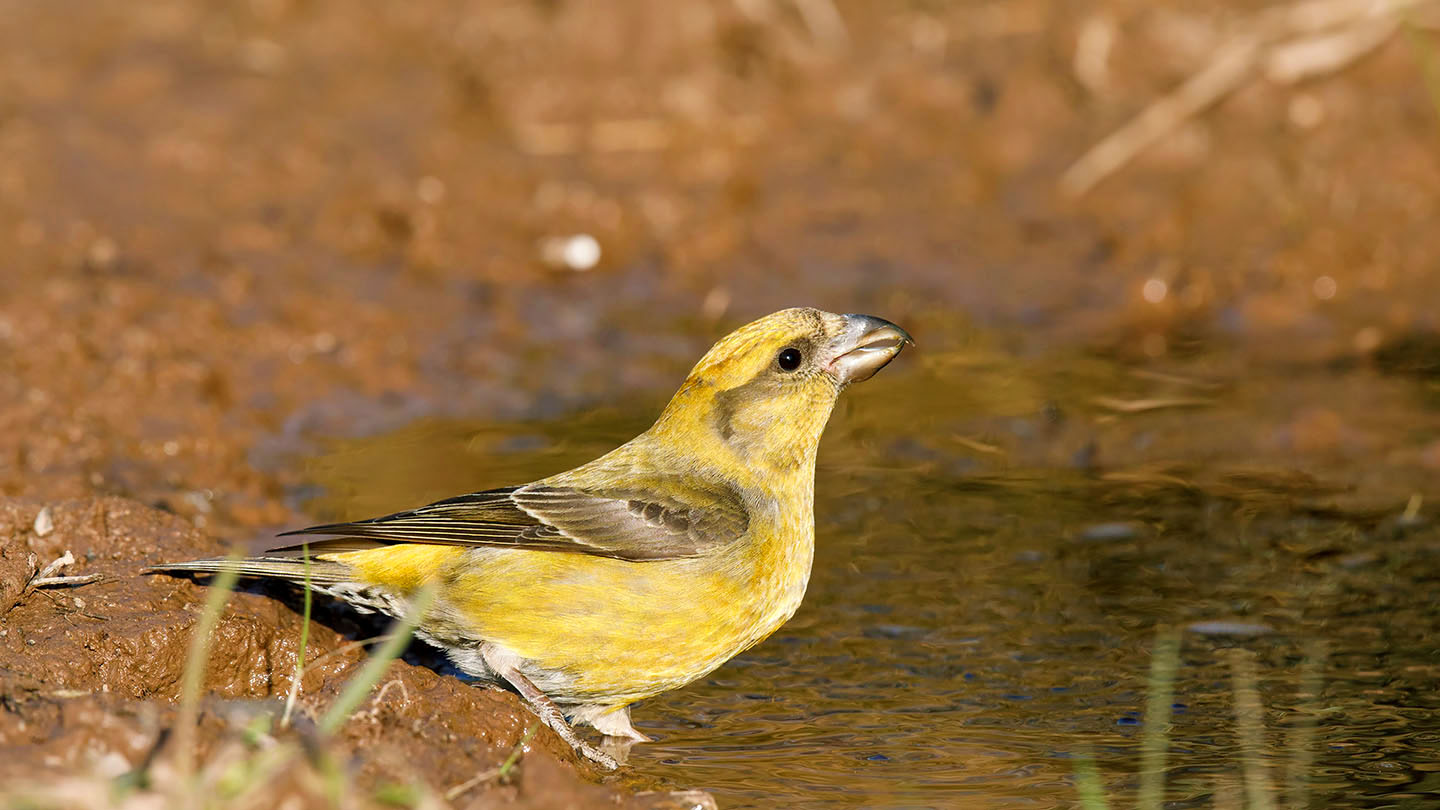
column 627, row 526
column 479, row 518
column 637, row 526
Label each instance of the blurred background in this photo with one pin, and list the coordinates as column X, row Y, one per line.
column 1171, row 268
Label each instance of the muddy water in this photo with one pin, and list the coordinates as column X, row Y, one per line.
column 999, row 541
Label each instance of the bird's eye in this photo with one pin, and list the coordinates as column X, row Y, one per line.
column 789, row 359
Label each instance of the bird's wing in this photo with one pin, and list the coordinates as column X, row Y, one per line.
column 625, row 525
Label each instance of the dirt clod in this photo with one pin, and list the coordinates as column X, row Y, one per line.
column 90, row 675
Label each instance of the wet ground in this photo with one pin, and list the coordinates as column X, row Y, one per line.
column 977, row 620
column 278, row 261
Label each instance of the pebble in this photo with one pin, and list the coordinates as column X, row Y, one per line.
column 580, row 252
column 44, row 524
column 1103, row 532
column 1222, row 628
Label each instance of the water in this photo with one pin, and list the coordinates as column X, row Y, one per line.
column 987, row 592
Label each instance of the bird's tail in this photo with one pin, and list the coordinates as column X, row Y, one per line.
column 291, row 569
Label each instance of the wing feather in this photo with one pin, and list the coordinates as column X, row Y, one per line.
column 631, row 526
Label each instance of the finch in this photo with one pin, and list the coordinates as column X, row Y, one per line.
column 637, row 572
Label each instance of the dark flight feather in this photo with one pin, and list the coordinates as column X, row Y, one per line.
column 321, row 573
column 549, row 518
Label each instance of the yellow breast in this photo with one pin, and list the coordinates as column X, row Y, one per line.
column 605, row 630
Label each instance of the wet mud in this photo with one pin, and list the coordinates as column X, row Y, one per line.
column 274, row 262
column 91, row 674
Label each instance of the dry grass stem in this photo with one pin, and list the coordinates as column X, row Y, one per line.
column 978, row 446
column 1225, row 73
column 1153, row 404
column 1285, row 44
column 53, row 582
column 1301, row 59
column 46, row 578
column 475, row 781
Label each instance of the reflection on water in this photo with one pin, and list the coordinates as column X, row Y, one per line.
column 972, row 626
column 960, row 653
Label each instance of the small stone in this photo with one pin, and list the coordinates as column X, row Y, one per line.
column 1223, row 628
column 44, row 524
column 580, row 252
column 1106, row 532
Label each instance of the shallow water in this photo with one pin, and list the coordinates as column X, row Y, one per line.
column 981, row 614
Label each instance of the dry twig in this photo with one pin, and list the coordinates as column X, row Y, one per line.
column 1286, row 44
column 47, row 578
column 1152, row 404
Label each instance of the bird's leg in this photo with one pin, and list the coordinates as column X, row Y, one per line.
column 616, row 723
column 545, row 708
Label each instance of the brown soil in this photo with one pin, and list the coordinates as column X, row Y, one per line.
column 233, row 229
column 90, row 675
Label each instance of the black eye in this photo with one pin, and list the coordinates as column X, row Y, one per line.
column 789, row 359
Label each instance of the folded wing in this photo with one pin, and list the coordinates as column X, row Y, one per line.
column 624, row 525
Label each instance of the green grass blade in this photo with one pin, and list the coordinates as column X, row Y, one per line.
column 1302, row 737
column 1154, row 745
column 304, row 642
column 359, row 686
column 1250, row 728
column 519, row 749
column 1087, row 782
column 194, row 676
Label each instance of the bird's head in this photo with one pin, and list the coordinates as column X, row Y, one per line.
column 765, row 391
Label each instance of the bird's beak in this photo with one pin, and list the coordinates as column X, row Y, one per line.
column 866, row 345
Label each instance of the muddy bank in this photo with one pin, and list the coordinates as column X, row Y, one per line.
column 90, row 675
column 235, row 234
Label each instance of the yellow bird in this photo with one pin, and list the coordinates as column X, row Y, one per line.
column 637, row 572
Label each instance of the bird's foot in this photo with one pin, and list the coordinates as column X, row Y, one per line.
column 549, row 714
column 587, row 750
column 583, row 748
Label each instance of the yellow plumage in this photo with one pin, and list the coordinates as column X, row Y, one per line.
column 644, row 569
